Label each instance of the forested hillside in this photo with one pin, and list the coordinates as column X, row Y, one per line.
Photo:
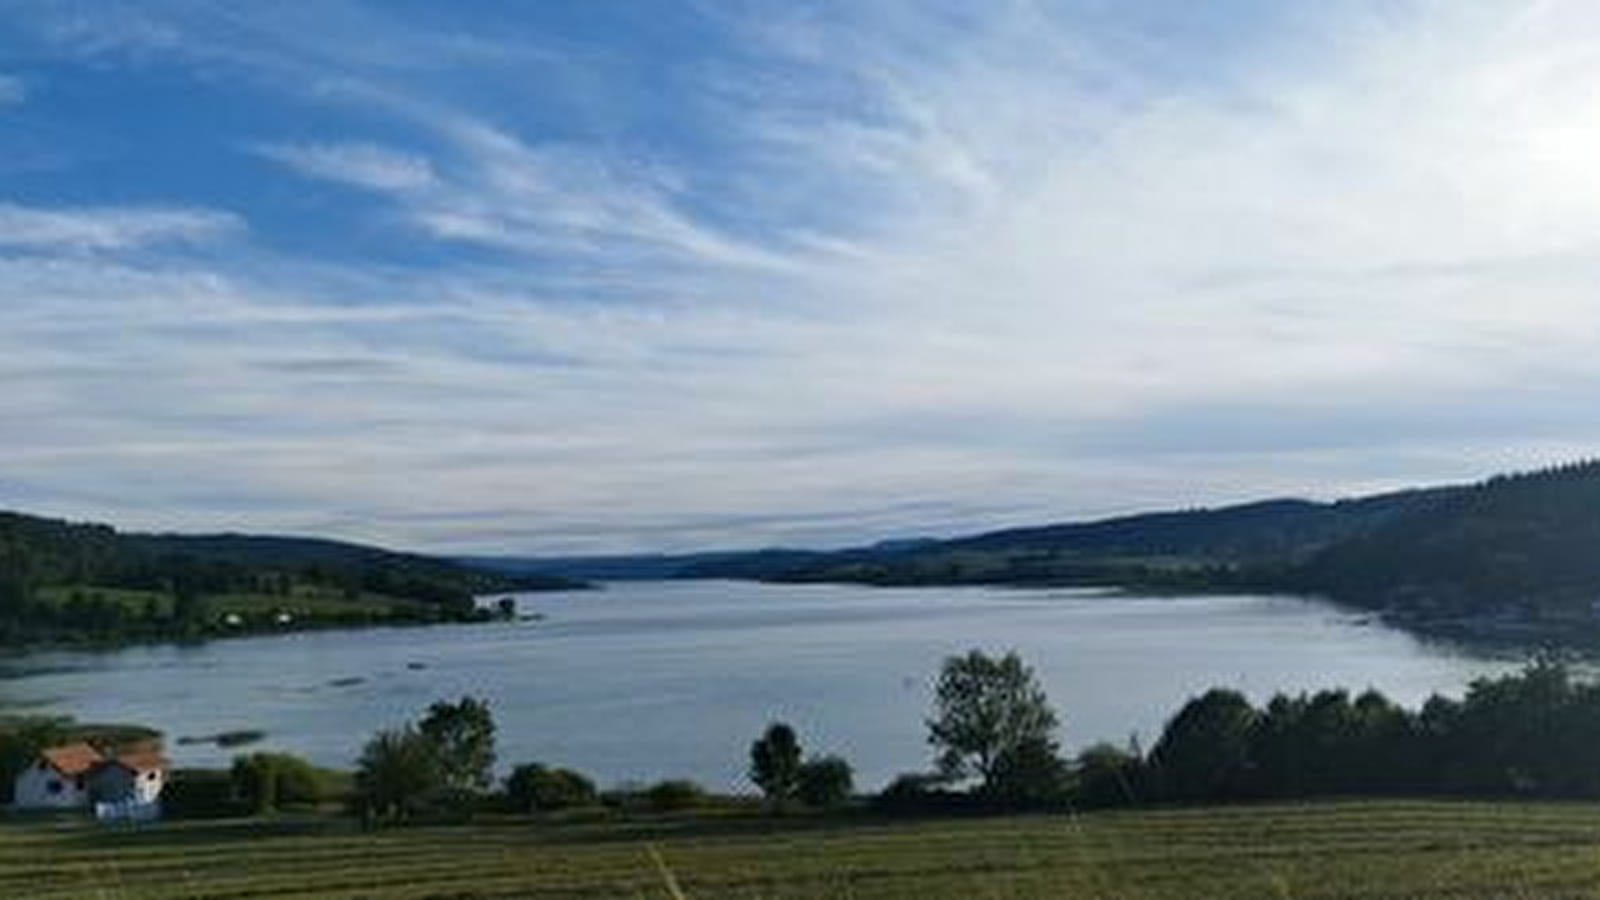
column 1524, row 545
column 64, row 580
column 1521, row 549
column 1189, row 548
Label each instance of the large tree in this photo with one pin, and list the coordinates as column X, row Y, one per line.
column 1204, row 752
column 462, row 734
column 775, row 763
column 988, row 713
column 398, row 775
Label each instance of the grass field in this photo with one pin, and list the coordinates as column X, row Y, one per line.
column 306, row 600
column 1343, row 849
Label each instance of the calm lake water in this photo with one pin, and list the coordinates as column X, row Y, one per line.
column 651, row 679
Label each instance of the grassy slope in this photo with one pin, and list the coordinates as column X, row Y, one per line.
column 307, row 600
column 1343, row 849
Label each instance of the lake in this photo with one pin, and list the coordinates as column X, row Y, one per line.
column 645, row 680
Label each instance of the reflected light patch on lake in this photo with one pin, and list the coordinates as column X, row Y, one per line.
column 645, row 680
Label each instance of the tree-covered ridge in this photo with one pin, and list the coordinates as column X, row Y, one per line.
column 1525, row 545
column 1181, row 549
column 74, row 581
column 1522, row 550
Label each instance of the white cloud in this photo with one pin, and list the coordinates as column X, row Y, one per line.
column 924, row 283
column 362, row 165
column 81, row 229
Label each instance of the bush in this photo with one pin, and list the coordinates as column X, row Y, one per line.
column 1107, row 775
column 674, row 795
column 1029, row 775
column 825, row 782
column 537, row 788
column 266, row 781
column 920, row 792
column 201, row 794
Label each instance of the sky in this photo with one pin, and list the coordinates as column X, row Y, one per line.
column 610, row 276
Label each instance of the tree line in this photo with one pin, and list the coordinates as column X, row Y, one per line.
column 993, row 739
column 1531, row 733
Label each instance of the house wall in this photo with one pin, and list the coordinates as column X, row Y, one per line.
column 150, row 785
column 116, row 783
column 33, row 789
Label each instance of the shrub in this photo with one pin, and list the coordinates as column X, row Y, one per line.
column 825, row 782
column 200, row 794
column 265, row 781
column 1026, row 776
column 537, row 788
column 911, row 791
column 674, row 795
column 1107, row 775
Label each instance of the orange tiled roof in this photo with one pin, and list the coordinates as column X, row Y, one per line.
column 147, row 760
column 72, row 759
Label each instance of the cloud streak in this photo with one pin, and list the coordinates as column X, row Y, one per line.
column 87, row 229
column 360, row 165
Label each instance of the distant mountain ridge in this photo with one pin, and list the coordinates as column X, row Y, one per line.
column 1521, row 549
column 1265, row 532
column 1187, row 548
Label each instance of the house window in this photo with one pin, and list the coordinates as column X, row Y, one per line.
column 53, row 786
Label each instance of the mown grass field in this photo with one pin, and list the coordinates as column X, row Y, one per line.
column 1342, row 849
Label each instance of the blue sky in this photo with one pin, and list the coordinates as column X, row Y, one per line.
column 601, row 276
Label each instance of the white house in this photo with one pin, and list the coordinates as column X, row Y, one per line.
column 136, row 777
column 58, row 778
column 77, row 776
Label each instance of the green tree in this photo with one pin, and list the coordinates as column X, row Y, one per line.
column 1106, row 775
column 190, row 607
column 255, row 782
column 1029, row 774
column 268, row 781
column 536, row 788
column 824, row 782
column 463, row 737
column 674, row 795
column 986, row 710
column 775, row 763
column 1204, row 752
column 398, row 775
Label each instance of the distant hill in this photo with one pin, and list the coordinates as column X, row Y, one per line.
column 1189, row 548
column 1520, row 549
column 1514, row 554
column 1526, row 545
column 64, row 580
column 753, row 564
